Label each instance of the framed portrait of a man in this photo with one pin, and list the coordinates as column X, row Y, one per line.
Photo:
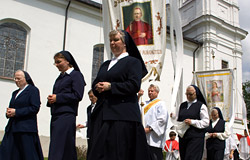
column 138, row 23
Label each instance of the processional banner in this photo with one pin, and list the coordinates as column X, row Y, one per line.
column 217, row 88
column 145, row 21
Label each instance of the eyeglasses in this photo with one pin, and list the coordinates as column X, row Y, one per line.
column 190, row 94
column 18, row 79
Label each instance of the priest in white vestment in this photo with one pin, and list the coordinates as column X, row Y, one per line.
column 155, row 120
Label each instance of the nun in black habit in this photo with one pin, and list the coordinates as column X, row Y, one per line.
column 21, row 140
column 116, row 131
column 67, row 93
column 217, row 133
column 194, row 113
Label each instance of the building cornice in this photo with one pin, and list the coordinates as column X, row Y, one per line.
column 205, row 19
column 91, row 3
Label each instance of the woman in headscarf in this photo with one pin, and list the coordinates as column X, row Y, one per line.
column 217, row 133
column 193, row 113
column 116, row 131
column 67, row 93
column 21, row 140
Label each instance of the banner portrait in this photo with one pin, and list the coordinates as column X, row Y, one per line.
column 145, row 21
column 217, row 88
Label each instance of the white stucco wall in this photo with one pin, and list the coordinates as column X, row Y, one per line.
column 45, row 19
column 46, row 22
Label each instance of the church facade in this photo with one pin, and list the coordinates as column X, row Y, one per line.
column 31, row 32
column 216, row 25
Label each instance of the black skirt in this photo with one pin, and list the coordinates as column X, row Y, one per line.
column 62, row 137
column 7, row 146
column 118, row 140
column 21, row 145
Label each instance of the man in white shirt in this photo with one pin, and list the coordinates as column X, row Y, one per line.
column 90, row 109
column 155, row 118
column 230, row 147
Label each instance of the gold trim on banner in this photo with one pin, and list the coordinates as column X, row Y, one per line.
column 211, row 75
column 159, row 18
column 154, row 72
column 226, row 76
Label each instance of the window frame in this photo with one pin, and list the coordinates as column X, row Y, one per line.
column 27, row 29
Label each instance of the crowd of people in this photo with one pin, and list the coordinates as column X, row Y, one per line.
column 117, row 126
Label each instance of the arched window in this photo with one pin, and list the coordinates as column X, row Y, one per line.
column 12, row 48
column 97, row 59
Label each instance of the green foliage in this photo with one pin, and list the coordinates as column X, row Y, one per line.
column 246, row 95
column 164, row 154
column 81, row 152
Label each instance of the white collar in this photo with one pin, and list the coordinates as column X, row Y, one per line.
column 151, row 100
column 21, row 90
column 69, row 70
column 192, row 101
column 24, row 87
column 125, row 54
column 215, row 120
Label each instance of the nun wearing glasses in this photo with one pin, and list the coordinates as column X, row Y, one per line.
column 193, row 113
column 21, row 140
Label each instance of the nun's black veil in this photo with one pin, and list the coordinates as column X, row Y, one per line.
column 70, row 59
column 219, row 112
column 199, row 95
column 133, row 51
column 28, row 78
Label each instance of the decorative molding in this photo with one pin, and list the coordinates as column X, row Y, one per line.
column 212, row 20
